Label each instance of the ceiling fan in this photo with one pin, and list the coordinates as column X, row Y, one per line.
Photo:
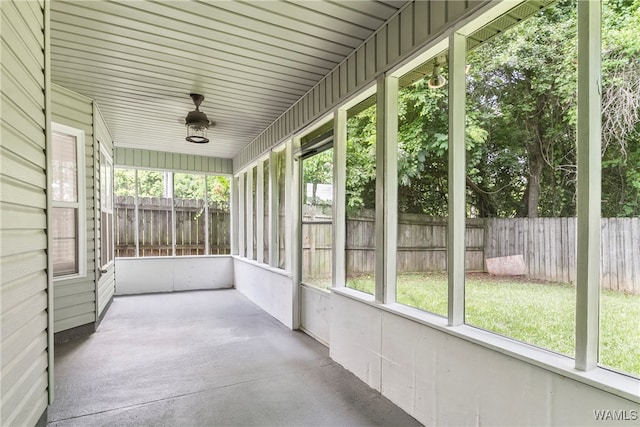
column 197, row 122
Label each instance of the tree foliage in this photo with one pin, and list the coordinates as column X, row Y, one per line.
column 158, row 184
column 361, row 165
column 520, row 124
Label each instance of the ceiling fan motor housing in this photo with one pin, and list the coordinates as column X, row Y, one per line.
column 197, row 122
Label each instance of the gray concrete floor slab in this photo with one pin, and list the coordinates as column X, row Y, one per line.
column 206, row 358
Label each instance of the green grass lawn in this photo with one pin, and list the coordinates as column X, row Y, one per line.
column 542, row 314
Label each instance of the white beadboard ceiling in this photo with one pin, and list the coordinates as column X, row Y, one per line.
column 251, row 60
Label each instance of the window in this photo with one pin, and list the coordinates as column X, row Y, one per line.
column 254, row 210
column 218, row 196
column 125, row 213
column 521, row 175
column 106, row 210
column 67, row 192
column 360, row 196
column 423, row 138
column 265, row 201
column 244, row 217
column 155, row 213
column 317, row 218
column 189, row 203
column 147, row 202
column 282, row 203
column 620, row 223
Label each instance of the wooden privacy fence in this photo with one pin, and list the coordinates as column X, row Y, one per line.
column 421, row 244
column 548, row 246
column 155, row 227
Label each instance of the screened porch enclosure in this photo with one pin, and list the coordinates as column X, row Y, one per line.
column 401, row 203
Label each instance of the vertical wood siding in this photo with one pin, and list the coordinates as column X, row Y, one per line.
column 23, row 183
column 135, row 157
column 415, row 25
column 74, row 299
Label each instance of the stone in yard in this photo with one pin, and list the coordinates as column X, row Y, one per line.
column 512, row 265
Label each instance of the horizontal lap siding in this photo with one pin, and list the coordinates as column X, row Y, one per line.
column 415, row 25
column 106, row 290
column 106, row 282
column 23, row 221
column 74, row 299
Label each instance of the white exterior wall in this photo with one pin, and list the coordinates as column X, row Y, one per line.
column 270, row 288
column 441, row 379
column 75, row 299
column 170, row 274
column 24, row 283
column 315, row 313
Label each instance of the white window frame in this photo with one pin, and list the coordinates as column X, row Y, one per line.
column 80, row 205
column 109, row 163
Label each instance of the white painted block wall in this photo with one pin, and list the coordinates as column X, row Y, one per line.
column 269, row 288
column 170, row 274
column 441, row 379
column 315, row 313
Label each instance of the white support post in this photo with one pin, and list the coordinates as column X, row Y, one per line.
column 338, row 252
column 169, row 192
column 457, row 177
column 235, row 215
column 242, row 216
column 249, row 210
column 260, row 212
column 207, row 246
column 136, row 208
column 274, row 224
column 589, row 185
column 386, row 189
column 294, row 226
column 292, row 213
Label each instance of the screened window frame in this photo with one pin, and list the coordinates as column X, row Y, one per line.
column 108, row 209
column 79, row 205
column 266, row 202
column 171, row 191
column 583, row 366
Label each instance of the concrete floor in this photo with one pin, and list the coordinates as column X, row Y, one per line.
column 206, row 358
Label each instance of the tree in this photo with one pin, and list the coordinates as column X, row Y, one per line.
column 218, row 189
column 522, row 86
column 188, row 186
column 153, row 183
column 621, row 109
column 521, row 118
column 125, row 182
column 317, row 169
column 422, row 149
column 361, row 161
